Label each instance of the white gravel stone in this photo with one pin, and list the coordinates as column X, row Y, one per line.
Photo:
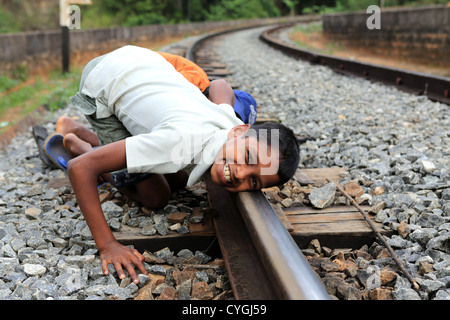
column 34, row 269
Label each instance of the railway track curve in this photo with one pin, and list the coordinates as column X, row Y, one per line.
column 436, row 88
column 51, row 238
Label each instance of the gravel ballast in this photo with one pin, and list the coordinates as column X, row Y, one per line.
column 395, row 145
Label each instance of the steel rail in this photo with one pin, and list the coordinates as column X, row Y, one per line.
column 290, row 273
column 436, row 88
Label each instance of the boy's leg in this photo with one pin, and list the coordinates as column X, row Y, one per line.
column 75, row 146
column 155, row 191
column 177, row 180
column 66, row 125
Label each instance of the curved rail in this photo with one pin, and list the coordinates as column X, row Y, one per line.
column 436, row 88
column 288, row 269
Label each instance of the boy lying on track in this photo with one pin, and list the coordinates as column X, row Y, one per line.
column 156, row 132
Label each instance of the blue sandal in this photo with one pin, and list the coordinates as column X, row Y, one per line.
column 55, row 151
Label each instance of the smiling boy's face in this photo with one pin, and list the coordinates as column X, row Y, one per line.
column 244, row 163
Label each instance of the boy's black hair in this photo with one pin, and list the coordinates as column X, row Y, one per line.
column 288, row 147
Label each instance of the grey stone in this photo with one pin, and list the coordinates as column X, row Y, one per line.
column 184, row 290
column 162, row 228
column 114, row 224
column 202, row 276
column 111, row 210
column 118, row 292
column 442, row 295
column 406, row 294
column 202, row 256
column 157, row 269
column 80, row 261
column 148, row 231
column 431, row 285
column 165, row 254
column 17, row 243
column 422, row 236
column 441, row 242
column 170, row 208
column 159, row 288
column 183, row 229
column 143, row 280
column 324, row 196
column 398, row 242
column 185, row 253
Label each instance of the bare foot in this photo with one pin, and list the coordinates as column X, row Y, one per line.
column 66, row 125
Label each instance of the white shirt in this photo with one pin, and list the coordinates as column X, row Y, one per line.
column 174, row 126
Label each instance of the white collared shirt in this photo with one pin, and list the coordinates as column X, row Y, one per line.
column 174, row 126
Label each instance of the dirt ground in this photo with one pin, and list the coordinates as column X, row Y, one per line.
column 317, row 41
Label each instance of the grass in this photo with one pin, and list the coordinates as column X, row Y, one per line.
column 305, row 34
column 19, row 97
column 308, row 28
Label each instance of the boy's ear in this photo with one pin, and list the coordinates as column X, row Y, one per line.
column 238, row 131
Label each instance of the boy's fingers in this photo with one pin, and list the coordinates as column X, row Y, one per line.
column 135, row 259
column 138, row 255
column 132, row 273
column 136, row 263
column 139, row 263
column 105, row 267
column 119, row 270
column 141, row 260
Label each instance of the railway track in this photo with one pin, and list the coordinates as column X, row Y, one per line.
column 270, row 252
column 261, row 219
column 247, row 226
column 436, row 88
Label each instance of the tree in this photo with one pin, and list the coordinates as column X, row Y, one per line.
column 291, row 5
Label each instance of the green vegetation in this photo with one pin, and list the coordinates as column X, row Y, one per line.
column 311, row 6
column 24, row 15
column 312, row 31
column 143, row 12
column 308, row 28
column 60, row 87
column 52, row 91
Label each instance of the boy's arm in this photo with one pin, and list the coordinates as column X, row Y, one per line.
column 221, row 92
column 83, row 172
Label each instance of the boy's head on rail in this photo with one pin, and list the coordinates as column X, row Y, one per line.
column 256, row 157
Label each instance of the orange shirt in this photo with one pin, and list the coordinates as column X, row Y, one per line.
column 192, row 72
